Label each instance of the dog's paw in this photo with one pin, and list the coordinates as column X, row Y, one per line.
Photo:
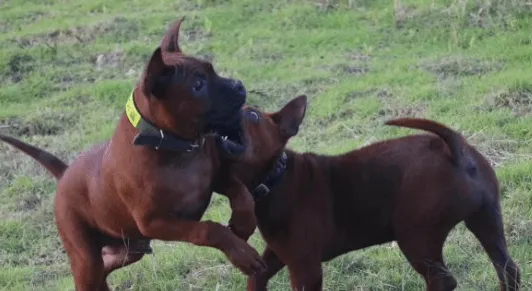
column 246, row 259
column 243, row 225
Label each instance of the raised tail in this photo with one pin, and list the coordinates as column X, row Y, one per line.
column 52, row 163
column 453, row 139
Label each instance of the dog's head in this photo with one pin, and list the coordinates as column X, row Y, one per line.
column 185, row 95
column 267, row 135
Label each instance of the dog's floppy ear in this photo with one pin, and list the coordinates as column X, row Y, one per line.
column 158, row 75
column 290, row 117
column 170, row 42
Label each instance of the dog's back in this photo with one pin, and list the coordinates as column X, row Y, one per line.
column 399, row 181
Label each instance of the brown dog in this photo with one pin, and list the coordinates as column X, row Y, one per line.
column 412, row 190
column 154, row 178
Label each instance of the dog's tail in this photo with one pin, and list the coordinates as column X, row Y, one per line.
column 453, row 139
column 52, row 163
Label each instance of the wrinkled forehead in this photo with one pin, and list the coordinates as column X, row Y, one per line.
column 188, row 63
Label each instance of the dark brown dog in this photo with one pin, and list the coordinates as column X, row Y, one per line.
column 154, row 178
column 412, row 190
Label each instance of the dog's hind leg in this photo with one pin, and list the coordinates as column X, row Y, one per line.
column 306, row 275
column 274, row 265
column 423, row 249
column 487, row 226
column 84, row 254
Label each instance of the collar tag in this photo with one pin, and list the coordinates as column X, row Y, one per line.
column 132, row 112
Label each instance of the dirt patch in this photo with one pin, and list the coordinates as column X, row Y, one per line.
column 382, row 93
column 12, row 23
column 485, row 14
column 458, row 14
column 268, row 57
column 335, row 117
column 359, row 57
column 459, row 66
column 271, row 96
column 200, row 4
column 46, row 123
column 31, row 199
column 196, row 35
column 65, row 82
column 391, row 112
column 519, row 100
column 355, row 64
column 109, row 60
column 331, row 5
column 262, row 52
column 404, row 13
column 18, row 66
column 17, row 127
column 118, row 29
column 351, row 69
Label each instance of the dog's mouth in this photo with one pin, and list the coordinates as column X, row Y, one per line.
column 231, row 142
column 229, row 135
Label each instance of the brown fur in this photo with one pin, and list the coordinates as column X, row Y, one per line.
column 412, row 190
column 116, row 197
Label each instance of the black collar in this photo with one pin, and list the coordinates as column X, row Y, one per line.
column 151, row 136
column 265, row 187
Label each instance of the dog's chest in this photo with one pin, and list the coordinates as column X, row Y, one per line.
column 186, row 188
column 188, row 177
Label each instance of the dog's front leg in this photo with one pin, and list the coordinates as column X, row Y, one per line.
column 203, row 233
column 243, row 220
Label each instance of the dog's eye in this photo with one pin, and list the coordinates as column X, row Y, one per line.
column 253, row 116
column 198, row 85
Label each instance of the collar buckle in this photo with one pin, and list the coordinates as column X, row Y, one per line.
column 272, row 179
column 261, row 191
column 151, row 136
column 192, row 147
column 160, row 140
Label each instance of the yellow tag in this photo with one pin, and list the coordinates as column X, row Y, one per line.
column 131, row 111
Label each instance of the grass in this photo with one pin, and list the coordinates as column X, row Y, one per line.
column 66, row 68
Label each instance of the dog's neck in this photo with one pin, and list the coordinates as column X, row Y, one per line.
column 274, row 177
column 285, row 169
column 148, row 134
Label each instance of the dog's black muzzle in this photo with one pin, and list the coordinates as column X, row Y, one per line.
column 224, row 117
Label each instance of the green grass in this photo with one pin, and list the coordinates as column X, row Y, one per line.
column 66, row 68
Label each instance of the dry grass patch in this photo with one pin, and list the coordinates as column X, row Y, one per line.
column 498, row 150
column 118, row 28
column 48, row 122
column 460, row 66
column 518, row 100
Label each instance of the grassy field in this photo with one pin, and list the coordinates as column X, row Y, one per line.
column 66, row 68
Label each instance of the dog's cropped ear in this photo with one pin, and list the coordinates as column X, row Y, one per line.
column 158, row 75
column 170, row 42
column 290, row 117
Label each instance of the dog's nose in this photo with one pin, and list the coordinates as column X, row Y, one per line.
column 239, row 88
